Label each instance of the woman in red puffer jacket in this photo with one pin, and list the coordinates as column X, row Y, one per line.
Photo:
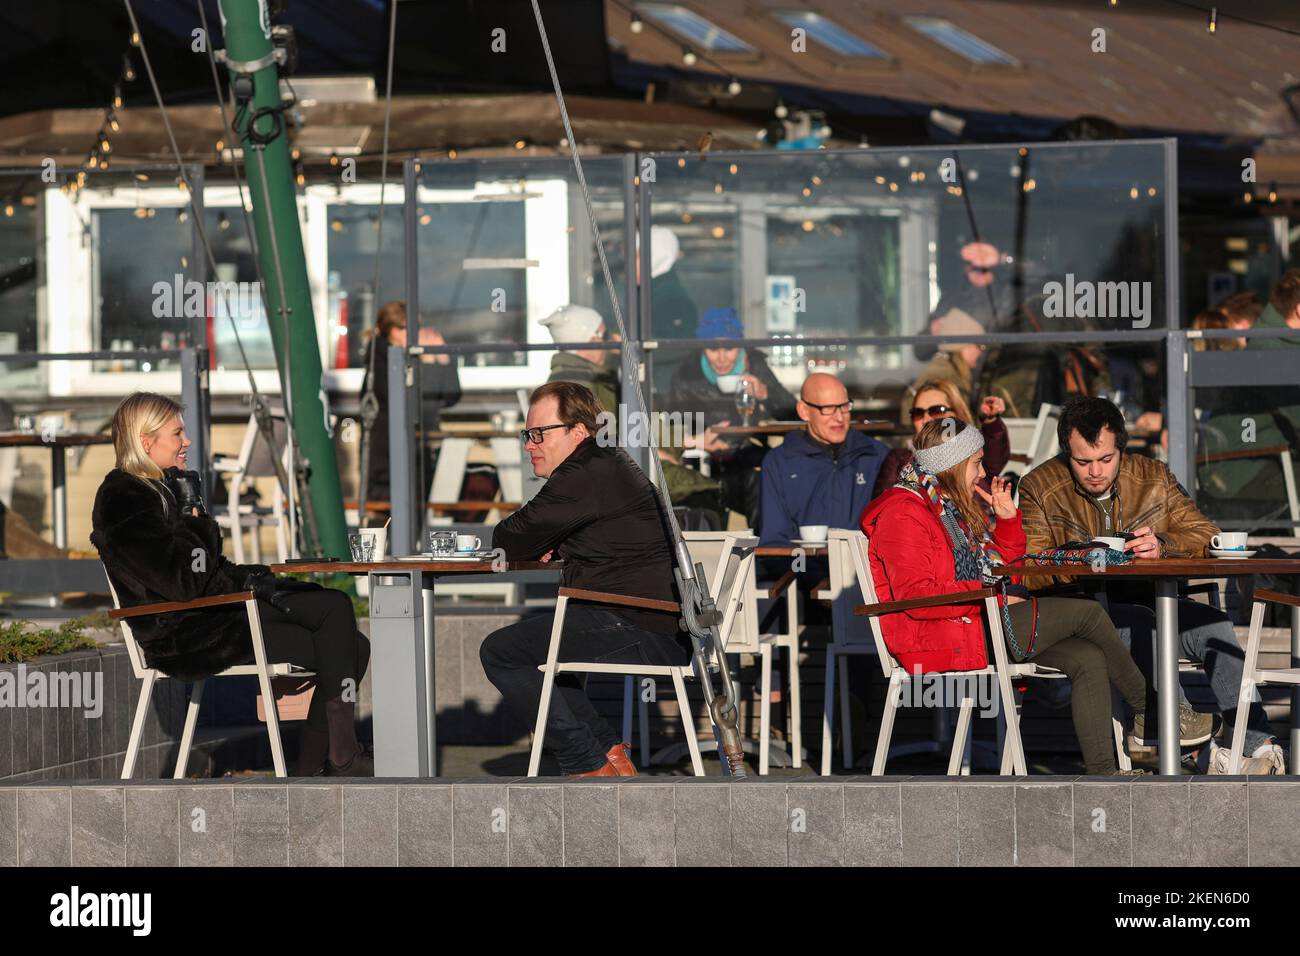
column 938, row 532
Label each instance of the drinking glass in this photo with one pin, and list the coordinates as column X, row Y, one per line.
column 745, row 400
column 362, row 546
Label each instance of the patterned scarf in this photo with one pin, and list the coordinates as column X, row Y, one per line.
column 973, row 560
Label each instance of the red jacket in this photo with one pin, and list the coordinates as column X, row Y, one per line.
column 911, row 557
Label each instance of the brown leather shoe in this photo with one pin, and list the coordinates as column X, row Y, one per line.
column 606, row 769
column 621, row 761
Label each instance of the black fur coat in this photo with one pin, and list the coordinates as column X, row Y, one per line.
column 153, row 553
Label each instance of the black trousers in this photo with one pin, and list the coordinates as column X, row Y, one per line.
column 575, row 733
column 320, row 633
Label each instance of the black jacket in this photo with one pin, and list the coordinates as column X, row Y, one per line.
column 692, row 392
column 439, row 389
column 601, row 516
column 153, row 555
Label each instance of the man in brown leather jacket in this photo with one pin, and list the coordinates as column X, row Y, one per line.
column 1094, row 489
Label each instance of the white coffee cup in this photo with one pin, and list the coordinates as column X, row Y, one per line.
column 380, row 536
column 1229, row 541
column 813, row 532
column 727, row 384
column 468, row 542
column 1115, row 543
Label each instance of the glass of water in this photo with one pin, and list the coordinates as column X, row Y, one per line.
column 442, row 542
column 362, row 546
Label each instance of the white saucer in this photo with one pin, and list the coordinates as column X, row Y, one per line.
column 1232, row 554
column 805, row 543
column 455, row 556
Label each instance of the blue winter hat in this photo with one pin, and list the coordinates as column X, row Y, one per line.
column 720, row 323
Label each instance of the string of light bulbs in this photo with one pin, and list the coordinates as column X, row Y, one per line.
column 98, row 156
column 1214, row 15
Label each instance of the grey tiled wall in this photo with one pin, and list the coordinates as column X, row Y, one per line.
column 660, row 821
column 61, row 743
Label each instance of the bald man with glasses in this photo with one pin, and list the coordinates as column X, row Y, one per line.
column 823, row 474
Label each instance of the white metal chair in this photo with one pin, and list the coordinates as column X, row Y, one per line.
column 254, row 461
column 1031, row 445
column 1253, row 676
column 729, row 562
column 1002, row 669
column 733, row 582
column 148, row 676
column 553, row 666
column 849, row 637
column 8, row 475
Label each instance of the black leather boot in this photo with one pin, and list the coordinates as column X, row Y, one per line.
column 346, row 758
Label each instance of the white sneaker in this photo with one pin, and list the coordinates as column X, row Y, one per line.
column 1267, row 760
column 1274, row 755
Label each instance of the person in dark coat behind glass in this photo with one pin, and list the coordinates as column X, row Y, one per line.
column 440, row 388
column 707, row 382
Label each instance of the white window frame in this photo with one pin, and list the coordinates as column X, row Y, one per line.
column 546, row 279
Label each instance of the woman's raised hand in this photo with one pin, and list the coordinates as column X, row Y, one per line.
column 1000, row 499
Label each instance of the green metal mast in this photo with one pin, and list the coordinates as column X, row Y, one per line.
column 250, row 54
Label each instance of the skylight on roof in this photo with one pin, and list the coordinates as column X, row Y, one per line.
column 830, row 34
column 694, row 28
column 965, row 44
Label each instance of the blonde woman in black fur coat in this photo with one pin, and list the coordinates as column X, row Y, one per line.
column 158, row 544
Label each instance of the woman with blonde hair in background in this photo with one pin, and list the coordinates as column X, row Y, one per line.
column 158, row 544
column 941, row 399
column 938, row 531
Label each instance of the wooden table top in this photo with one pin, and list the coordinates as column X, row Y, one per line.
column 787, row 551
column 435, row 566
column 1162, row 568
column 61, row 439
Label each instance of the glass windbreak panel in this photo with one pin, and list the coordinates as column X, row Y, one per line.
column 1224, row 258
column 881, row 242
column 126, row 240
column 473, row 466
column 236, row 316
column 353, row 238
column 20, row 276
column 1247, row 451
column 34, row 429
column 757, row 386
column 503, row 244
column 472, row 277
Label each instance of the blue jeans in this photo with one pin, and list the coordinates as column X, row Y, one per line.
column 577, row 735
column 1205, row 634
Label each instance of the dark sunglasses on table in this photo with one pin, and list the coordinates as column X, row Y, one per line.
column 934, row 411
column 535, row 435
column 828, row 410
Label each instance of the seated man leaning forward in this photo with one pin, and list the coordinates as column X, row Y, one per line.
column 823, row 475
column 1093, row 488
column 600, row 514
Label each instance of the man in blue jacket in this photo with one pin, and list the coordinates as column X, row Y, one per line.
column 823, row 475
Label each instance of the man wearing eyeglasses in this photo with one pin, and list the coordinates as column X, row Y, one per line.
column 600, row 515
column 823, row 475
